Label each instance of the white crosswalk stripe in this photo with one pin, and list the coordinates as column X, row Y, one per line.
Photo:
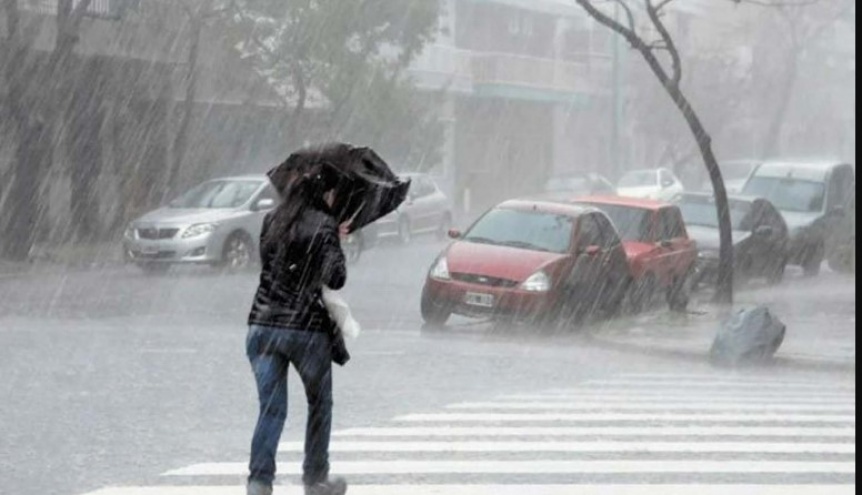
column 649, row 434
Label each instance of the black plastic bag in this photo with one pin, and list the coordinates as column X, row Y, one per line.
column 750, row 337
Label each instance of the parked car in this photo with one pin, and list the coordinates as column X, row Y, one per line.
column 427, row 210
column 537, row 261
column 660, row 253
column 760, row 237
column 217, row 222
column 812, row 197
column 568, row 186
column 659, row 184
column 842, row 255
column 735, row 173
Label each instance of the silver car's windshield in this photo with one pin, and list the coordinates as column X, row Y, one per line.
column 736, row 170
column 218, row 194
column 788, row 194
column 535, row 231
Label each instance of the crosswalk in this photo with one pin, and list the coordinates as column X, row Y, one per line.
column 638, row 434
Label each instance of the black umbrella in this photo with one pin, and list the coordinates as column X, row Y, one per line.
column 366, row 188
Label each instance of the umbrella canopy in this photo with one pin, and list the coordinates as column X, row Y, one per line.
column 366, row 189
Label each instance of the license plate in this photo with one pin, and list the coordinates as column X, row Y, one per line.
column 150, row 250
column 481, row 300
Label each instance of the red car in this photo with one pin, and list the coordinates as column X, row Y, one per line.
column 661, row 255
column 534, row 261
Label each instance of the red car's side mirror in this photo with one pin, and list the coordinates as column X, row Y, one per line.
column 455, row 234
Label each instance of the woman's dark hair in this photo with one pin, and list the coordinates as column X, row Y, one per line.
column 307, row 190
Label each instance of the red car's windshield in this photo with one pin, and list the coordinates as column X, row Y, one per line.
column 633, row 224
column 536, row 231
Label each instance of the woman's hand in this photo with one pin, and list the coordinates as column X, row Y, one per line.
column 344, row 229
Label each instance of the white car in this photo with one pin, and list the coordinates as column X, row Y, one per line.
column 658, row 184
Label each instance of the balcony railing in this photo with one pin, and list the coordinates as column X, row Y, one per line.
column 539, row 73
column 110, row 9
column 472, row 69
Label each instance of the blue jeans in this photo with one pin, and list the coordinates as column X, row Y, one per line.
column 271, row 351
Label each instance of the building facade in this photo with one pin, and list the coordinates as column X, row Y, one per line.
column 528, row 87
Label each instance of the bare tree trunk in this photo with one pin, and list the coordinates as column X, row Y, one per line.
column 30, row 158
column 38, row 102
column 724, row 290
column 85, row 152
column 670, row 80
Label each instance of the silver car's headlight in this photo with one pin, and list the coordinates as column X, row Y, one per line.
column 199, row 229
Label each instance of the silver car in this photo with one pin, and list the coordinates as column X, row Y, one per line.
column 216, row 223
column 427, row 210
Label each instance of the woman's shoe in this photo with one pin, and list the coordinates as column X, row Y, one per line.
column 258, row 488
column 331, row 487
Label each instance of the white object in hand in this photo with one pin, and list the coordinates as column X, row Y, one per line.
column 340, row 312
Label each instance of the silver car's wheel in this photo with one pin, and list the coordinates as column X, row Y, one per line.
column 237, row 254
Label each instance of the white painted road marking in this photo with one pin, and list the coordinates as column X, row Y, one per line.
column 701, row 384
column 678, row 418
column 534, row 467
column 538, row 431
column 660, row 398
column 678, row 406
column 606, row 417
column 585, row 447
column 508, row 490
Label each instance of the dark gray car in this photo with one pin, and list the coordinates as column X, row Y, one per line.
column 760, row 237
column 812, row 197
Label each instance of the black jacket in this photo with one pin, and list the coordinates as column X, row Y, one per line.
column 294, row 271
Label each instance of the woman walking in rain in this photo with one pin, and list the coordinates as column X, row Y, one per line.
column 300, row 254
column 327, row 191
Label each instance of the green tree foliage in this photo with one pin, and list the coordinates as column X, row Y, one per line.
column 344, row 62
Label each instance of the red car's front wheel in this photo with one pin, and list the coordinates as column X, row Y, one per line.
column 434, row 312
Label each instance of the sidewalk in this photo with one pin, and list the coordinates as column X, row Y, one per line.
column 64, row 258
column 820, row 315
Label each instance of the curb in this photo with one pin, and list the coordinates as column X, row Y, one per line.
column 57, row 269
column 689, row 355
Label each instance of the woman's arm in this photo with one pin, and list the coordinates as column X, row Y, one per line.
column 334, row 269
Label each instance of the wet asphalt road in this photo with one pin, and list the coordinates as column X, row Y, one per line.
column 112, row 377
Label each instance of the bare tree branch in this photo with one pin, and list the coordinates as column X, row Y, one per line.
column 669, row 45
column 628, row 33
column 661, row 5
column 629, row 15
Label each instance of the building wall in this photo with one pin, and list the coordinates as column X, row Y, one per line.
column 504, row 149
